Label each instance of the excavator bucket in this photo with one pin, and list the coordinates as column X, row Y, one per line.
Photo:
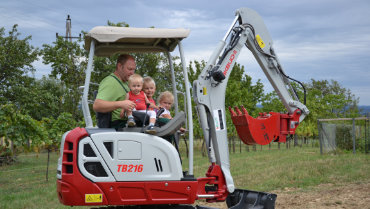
column 264, row 129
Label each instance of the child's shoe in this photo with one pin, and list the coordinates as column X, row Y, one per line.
column 150, row 130
column 131, row 122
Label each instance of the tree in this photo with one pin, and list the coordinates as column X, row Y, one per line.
column 241, row 92
column 272, row 103
column 44, row 98
column 19, row 131
column 57, row 127
column 16, row 58
column 325, row 99
column 329, row 100
column 68, row 62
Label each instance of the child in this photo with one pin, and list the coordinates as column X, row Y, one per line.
column 135, row 83
column 165, row 101
column 149, row 90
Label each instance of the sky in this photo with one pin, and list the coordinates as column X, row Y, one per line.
column 314, row 39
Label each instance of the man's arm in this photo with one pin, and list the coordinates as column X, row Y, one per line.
column 108, row 106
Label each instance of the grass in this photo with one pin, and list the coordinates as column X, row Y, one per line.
column 24, row 185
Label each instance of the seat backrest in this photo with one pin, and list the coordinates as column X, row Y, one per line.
column 165, row 130
column 140, row 117
column 103, row 120
column 172, row 125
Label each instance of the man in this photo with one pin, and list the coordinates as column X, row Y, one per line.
column 113, row 88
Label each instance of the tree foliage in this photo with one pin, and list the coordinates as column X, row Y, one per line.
column 325, row 99
column 57, row 127
column 24, row 131
column 68, row 62
column 16, row 58
column 241, row 92
column 328, row 99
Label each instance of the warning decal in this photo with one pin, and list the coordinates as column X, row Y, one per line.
column 93, row 198
column 260, row 41
column 218, row 118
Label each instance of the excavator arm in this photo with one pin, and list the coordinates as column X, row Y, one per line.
column 247, row 29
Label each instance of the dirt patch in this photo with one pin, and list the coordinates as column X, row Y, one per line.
column 327, row 196
column 324, row 196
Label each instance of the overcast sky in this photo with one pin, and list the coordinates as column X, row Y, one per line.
column 314, row 39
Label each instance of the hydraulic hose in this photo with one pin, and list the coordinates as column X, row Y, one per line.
column 279, row 67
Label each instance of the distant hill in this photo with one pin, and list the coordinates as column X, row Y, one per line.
column 364, row 109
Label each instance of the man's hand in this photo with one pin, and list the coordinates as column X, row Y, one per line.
column 122, row 113
column 127, row 105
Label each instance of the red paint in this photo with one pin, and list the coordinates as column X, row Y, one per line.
column 216, row 178
column 231, row 59
column 130, row 168
column 73, row 186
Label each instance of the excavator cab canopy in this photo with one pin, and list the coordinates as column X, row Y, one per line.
column 112, row 40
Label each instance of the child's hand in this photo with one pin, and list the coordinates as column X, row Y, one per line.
column 122, row 114
column 154, row 106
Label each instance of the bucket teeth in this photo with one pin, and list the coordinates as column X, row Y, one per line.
column 244, row 111
column 232, row 111
column 238, row 111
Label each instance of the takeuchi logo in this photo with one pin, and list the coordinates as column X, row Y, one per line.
column 231, row 59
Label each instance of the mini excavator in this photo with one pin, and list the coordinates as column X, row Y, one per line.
column 101, row 167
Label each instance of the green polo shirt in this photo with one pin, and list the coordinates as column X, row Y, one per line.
column 111, row 88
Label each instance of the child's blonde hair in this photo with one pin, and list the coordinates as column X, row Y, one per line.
column 165, row 95
column 135, row 78
column 148, row 80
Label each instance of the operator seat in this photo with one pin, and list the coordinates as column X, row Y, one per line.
column 104, row 119
column 163, row 130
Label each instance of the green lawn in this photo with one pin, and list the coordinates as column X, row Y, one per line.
column 24, row 185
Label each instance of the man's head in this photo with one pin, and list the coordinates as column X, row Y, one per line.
column 125, row 67
column 135, row 82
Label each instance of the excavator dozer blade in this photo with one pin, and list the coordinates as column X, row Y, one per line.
column 265, row 128
column 246, row 199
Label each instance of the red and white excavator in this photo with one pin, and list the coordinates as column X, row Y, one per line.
column 126, row 167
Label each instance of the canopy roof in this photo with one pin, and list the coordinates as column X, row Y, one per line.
column 111, row 40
